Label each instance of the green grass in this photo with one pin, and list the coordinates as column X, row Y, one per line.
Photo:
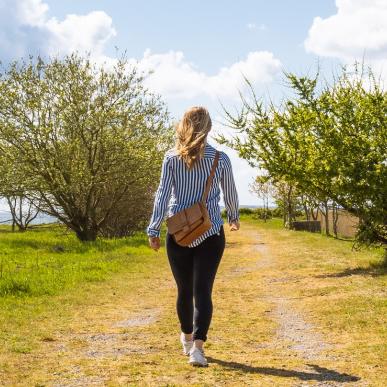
column 44, row 271
column 47, row 261
column 55, row 288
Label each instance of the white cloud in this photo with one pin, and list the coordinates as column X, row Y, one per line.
column 357, row 30
column 253, row 26
column 176, row 77
column 26, row 28
column 29, row 12
column 81, row 32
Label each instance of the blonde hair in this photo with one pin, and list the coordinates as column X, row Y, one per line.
column 191, row 134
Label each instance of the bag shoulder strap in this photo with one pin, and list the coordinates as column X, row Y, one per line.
column 209, row 178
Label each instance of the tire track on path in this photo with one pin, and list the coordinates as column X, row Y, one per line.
column 294, row 332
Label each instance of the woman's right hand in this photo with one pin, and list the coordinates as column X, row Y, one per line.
column 234, row 226
column 154, row 243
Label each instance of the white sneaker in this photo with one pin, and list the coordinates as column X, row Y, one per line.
column 196, row 357
column 187, row 344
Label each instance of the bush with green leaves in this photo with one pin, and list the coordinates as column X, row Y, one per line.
column 245, row 211
column 262, row 213
column 90, row 140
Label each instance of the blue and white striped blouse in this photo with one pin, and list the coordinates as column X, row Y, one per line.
column 180, row 188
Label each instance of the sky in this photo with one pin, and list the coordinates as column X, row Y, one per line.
column 200, row 49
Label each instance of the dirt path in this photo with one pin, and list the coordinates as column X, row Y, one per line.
column 293, row 333
column 126, row 332
column 293, row 329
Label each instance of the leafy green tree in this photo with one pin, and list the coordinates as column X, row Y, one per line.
column 329, row 141
column 92, row 139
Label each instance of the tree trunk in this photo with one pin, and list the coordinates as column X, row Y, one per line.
column 314, row 215
column 87, row 235
column 266, row 207
column 335, row 218
column 289, row 205
column 326, row 216
column 307, row 212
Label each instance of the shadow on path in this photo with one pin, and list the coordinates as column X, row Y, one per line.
column 320, row 373
column 374, row 270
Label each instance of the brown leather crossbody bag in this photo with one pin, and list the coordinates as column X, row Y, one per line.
column 190, row 223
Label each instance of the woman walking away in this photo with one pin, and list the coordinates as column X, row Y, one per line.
column 184, row 173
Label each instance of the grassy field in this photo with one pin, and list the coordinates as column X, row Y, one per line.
column 47, row 261
column 290, row 308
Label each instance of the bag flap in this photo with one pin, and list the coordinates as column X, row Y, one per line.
column 184, row 218
column 194, row 213
column 176, row 222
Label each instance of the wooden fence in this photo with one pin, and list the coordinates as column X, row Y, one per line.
column 346, row 223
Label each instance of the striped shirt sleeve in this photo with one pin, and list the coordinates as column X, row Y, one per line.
column 161, row 201
column 230, row 194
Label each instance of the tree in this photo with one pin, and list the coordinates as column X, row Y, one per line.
column 263, row 188
column 91, row 138
column 329, row 141
column 14, row 182
column 23, row 211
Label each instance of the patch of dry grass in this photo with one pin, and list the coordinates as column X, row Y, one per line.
column 284, row 314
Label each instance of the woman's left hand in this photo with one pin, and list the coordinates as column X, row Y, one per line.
column 154, row 243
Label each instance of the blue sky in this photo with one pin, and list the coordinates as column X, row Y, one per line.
column 199, row 49
column 211, row 33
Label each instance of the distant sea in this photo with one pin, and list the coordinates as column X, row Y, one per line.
column 5, row 216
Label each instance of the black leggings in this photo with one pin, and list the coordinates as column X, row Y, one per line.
column 194, row 270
